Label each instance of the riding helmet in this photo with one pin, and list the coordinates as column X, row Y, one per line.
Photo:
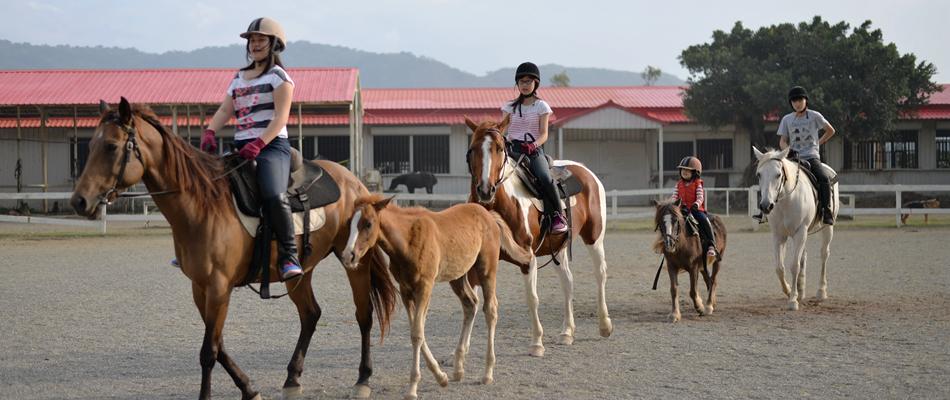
column 527, row 69
column 268, row 27
column 691, row 163
column 797, row 92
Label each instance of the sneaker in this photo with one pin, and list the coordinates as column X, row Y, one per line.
column 711, row 252
column 290, row 271
column 558, row 224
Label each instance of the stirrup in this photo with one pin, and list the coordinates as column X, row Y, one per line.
column 761, row 218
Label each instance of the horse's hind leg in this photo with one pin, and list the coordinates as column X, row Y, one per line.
column 491, row 318
column 826, row 235
column 693, row 293
column 801, row 274
column 599, row 260
column 301, row 293
column 469, row 301
column 531, row 295
column 567, row 286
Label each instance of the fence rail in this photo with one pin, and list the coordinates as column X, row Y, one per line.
column 615, row 212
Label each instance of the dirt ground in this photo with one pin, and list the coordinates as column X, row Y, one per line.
column 88, row 317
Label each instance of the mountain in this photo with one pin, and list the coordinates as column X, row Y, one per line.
column 379, row 70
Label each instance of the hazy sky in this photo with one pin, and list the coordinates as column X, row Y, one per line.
column 476, row 36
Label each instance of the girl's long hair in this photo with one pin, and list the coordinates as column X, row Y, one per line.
column 272, row 59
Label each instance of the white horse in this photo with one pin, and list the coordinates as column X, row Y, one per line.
column 789, row 197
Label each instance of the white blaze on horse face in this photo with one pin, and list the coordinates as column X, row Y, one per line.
column 668, row 224
column 354, row 233
column 486, row 163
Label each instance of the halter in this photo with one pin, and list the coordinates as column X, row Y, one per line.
column 798, row 178
column 501, row 177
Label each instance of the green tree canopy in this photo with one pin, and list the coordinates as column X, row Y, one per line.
column 650, row 75
column 859, row 83
column 560, row 79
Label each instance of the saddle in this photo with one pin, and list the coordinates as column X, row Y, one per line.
column 310, row 187
column 567, row 184
column 806, row 169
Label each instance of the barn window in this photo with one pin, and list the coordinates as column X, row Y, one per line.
column 898, row 151
column 716, row 154
column 673, row 152
column 334, row 148
column 403, row 153
column 431, row 153
column 391, row 154
column 943, row 148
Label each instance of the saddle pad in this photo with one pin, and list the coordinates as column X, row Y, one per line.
column 319, row 186
column 318, row 217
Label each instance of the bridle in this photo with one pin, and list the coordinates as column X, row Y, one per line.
column 671, row 237
column 131, row 147
column 502, row 177
column 784, row 193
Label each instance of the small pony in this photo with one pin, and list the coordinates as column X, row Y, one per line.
column 461, row 245
column 684, row 252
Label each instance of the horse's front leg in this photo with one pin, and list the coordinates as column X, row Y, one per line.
column 212, row 302
column 778, row 242
column 360, row 284
column 693, row 292
column 797, row 251
column 674, row 291
column 567, row 287
column 531, row 295
column 711, row 302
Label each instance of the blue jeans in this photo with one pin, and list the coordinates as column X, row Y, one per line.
column 273, row 166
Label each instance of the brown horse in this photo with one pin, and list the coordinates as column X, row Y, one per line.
column 684, row 252
column 213, row 248
column 456, row 245
column 494, row 188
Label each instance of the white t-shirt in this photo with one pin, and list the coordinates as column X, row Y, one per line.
column 527, row 121
column 254, row 102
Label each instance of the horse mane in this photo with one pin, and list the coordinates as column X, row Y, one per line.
column 190, row 170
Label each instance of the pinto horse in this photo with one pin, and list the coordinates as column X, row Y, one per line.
column 214, row 250
column 461, row 245
column 494, row 188
column 684, row 252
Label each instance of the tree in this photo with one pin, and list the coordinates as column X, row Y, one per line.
column 651, row 74
column 859, row 83
column 560, row 80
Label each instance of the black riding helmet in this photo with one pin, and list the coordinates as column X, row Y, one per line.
column 527, row 69
column 797, row 92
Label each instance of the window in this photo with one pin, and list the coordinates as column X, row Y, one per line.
column 391, row 154
column 431, row 153
column 334, row 148
column 943, row 148
column 715, row 154
column 673, row 152
column 897, row 151
column 79, row 154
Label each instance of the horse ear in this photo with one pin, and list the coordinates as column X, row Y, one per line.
column 758, row 154
column 125, row 111
column 655, row 203
column 503, row 125
column 678, row 202
column 103, row 107
column 381, row 204
column 784, row 153
column 471, row 124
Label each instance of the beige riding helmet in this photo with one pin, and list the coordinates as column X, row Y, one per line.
column 269, row 27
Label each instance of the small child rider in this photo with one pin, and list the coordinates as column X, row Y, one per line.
column 692, row 197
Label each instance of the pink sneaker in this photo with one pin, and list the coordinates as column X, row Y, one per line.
column 558, row 224
column 290, row 271
column 711, row 252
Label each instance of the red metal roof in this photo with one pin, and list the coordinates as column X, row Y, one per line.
column 91, row 122
column 160, row 86
column 493, row 98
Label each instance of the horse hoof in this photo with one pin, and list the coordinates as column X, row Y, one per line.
column 565, row 339
column 606, row 328
column 822, row 295
column 793, row 306
column 361, row 391
column 291, row 392
column 410, row 397
column 674, row 317
column 488, row 380
column 536, row 351
column 257, row 397
column 443, row 379
column 458, row 376
column 709, row 309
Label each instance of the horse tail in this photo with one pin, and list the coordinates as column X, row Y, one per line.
column 508, row 245
column 382, row 290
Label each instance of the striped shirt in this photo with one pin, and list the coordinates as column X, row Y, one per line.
column 690, row 193
column 254, row 102
column 528, row 121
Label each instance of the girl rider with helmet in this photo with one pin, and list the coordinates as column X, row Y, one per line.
column 801, row 129
column 692, row 197
column 527, row 132
column 259, row 98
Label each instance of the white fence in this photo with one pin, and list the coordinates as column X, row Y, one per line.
column 615, row 212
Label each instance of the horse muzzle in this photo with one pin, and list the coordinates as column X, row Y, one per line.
column 766, row 207
column 486, row 196
column 349, row 260
column 84, row 207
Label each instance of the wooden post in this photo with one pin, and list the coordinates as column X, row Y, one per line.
column 560, row 143
column 897, row 199
column 188, row 120
column 44, row 151
column 300, row 128
column 175, row 120
column 74, row 160
column 659, row 157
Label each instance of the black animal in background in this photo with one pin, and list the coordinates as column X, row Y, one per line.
column 413, row 181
